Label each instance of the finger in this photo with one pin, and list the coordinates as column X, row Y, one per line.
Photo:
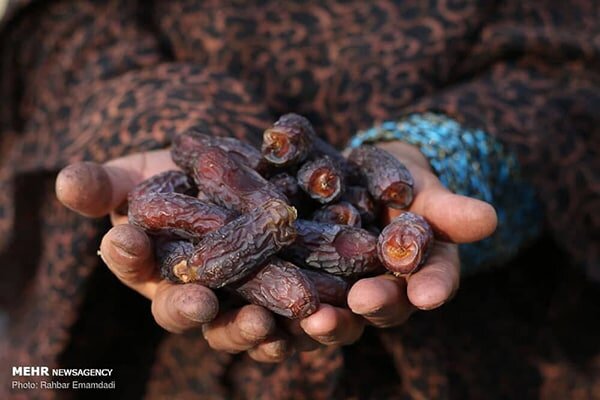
column 94, row 190
column 333, row 326
column 240, row 330
column 438, row 280
column 272, row 350
column 301, row 342
column 456, row 218
column 127, row 251
column 381, row 300
column 178, row 308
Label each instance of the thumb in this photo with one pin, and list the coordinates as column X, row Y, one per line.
column 94, row 190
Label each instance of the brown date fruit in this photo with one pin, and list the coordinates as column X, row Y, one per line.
column 323, row 149
column 336, row 249
column 288, row 141
column 292, row 140
column 169, row 254
column 404, row 244
column 175, row 214
column 360, row 198
column 184, row 151
column 388, row 180
column 321, row 179
column 204, row 197
column 185, row 147
column 231, row 184
column 288, row 185
column 165, row 182
column 331, row 289
column 281, row 287
column 233, row 251
column 242, row 152
column 342, row 213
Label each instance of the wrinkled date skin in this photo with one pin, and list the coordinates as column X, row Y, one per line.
column 405, row 243
column 336, row 249
column 288, row 186
column 331, row 289
column 231, row 184
column 175, row 214
column 323, row 149
column 169, row 254
column 321, row 179
column 342, row 213
column 288, row 141
column 360, row 198
column 185, row 148
column 233, row 251
column 165, row 182
column 281, row 287
column 388, row 180
column 184, row 151
column 292, row 140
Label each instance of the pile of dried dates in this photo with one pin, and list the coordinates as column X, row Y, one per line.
column 287, row 227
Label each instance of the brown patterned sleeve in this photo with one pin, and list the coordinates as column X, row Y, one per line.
column 85, row 80
column 540, row 94
column 91, row 81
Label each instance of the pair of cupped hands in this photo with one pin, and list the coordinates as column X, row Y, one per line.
column 97, row 190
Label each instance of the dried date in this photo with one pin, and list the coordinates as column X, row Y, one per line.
column 336, row 249
column 342, row 213
column 331, row 289
column 288, row 141
column 321, row 179
column 404, row 244
column 288, row 185
column 169, row 254
column 388, row 180
column 230, row 183
column 175, row 214
column 360, row 198
column 233, row 251
column 281, row 287
column 165, row 182
column 186, row 146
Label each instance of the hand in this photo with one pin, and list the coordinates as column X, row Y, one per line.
column 382, row 301
column 96, row 190
column 385, row 300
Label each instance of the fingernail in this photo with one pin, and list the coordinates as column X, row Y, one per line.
column 254, row 325
column 431, row 306
column 372, row 313
column 94, row 198
column 99, row 253
column 198, row 306
column 128, row 241
column 123, row 249
column 277, row 348
column 326, row 339
column 305, row 324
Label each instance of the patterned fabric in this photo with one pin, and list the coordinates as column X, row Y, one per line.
column 472, row 163
column 93, row 80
